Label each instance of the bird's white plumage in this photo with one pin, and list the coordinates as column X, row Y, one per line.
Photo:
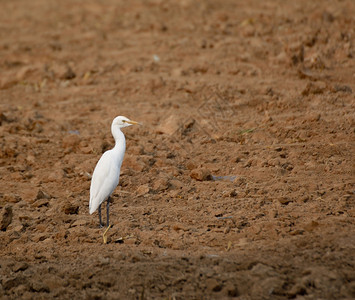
column 107, row 171
column 104, row 179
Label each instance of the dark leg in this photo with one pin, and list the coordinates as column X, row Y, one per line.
column 100, row 225
column 108, row 222
column 107, row 211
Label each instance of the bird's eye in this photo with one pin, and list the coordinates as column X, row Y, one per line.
column 123, row 121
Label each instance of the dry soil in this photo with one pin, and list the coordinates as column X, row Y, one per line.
column 239, row 183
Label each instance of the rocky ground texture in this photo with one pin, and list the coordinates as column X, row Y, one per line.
column 239, row 183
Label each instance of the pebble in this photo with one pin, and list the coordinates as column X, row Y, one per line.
column 314, row 88
column 213, row 285
column 71, row 141
column 12, row 198
column 191, row 165
column 8, row 284
column 40, row 203
column 176, row 184
column 70, row 209
column 230, row 193
column 169, row 125
column 161, row 184
column 40, row 286
column 133, row 163
column 6, row 217
column 79, row 223
column 142, row 190
column 201, row 174
column 284, row 200
column 19, row 266
column 232, row 291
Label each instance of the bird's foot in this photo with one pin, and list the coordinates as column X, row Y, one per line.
column 104, row 234
column 101, row 225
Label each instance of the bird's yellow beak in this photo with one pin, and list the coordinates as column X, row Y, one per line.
column 133, row 122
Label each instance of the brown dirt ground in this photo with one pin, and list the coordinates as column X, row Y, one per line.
column 260, row 91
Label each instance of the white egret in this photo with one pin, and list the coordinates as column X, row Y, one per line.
column 107, row 171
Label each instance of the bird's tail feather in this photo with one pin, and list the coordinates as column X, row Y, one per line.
column 92, row 208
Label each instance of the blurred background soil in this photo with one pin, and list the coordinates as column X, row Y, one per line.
column 240, row 181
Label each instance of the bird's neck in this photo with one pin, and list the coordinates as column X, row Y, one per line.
column 120, row 141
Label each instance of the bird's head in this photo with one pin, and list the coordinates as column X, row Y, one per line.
column 121, row 122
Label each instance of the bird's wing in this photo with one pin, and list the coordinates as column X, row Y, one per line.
column 104, row 180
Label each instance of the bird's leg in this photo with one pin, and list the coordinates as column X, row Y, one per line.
column 107, row 211
column 104, row 235
column 108, row 222
column 100, row 225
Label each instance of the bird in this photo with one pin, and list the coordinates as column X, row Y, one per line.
column 107, row 171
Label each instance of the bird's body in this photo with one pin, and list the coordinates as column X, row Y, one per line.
column 107, row 171
column 106, row 175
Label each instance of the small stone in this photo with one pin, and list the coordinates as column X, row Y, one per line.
column 71, row 141
column 328, row 17
column 30, row 159
column 143, row 189
column 70, row 209
column 161, row 184
column 136, row 258
column 169, row 125
column 218, row 213
column 297, row 289
column 131, row 241
column 54, row 175
column 233, row 193
column 68, row 74
column 104, row 260
column 178, row 227
column 314, row 117
column 176, row 184
column 8, row 284
column 133, row 163
column 213, row 285
column 86, row 150
column 226, row 230
column 19, row 266
column 40, row 203
column 53, row 281
column 314, row 88
column 18, row 228
column 25, row 73
column 232, row 291
column 6, row 118
column 285, row 200
column 230, row 193
column 162, row 287
column 297, row 232
column 240, row 181
column 6, row 220
column 40, row 286
column 79, row 223
column 343, row 88
column 6, row 83
column 23, row 290
column 12, row 198
column 191, row 165
column 311, row 226
column 40, row 237
column 201, row 174
column 178, row 72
